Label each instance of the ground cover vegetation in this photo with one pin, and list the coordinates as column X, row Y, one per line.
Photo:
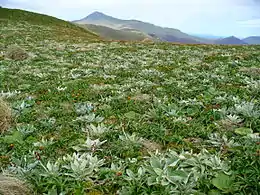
column 93, row 117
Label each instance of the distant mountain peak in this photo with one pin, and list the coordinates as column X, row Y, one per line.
column 232, row 40
column 96, row 15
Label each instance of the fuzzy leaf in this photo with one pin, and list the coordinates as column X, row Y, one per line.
column 130, row 173
column 131, row 115
column 16, row 137
column 155, row 162
column 151, row 181
column 243, row 131
column 140, row 171
column 164, row 182
column 176, row 175
column 158, row 171
column 222, row 182
column 214, row 192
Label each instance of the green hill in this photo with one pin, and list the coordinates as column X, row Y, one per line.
column 16, row 25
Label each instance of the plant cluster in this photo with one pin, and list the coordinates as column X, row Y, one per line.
column 128, row 118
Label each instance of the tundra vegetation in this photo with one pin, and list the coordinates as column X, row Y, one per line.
column 94, row 117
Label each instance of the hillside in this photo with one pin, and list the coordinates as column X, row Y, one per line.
column 230, row 41
column 253, row 40
column 80, row 116
column 113, row 34
column 19, row 24
column 165, row 34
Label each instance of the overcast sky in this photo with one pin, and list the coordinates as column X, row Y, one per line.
column 218, row 17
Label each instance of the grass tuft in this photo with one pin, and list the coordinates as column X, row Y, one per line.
column 5, row 116
column 15, row 52
column 12, row 186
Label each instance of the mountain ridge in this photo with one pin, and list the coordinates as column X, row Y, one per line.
column 163, row 33
column 231, row 40
column 253, row 40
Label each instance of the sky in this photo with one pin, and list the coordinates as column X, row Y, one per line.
column 239, row 18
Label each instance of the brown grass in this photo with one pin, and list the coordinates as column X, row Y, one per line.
column 252, row 71
column 150, row 146
column 141, row 97
column 5, row 116
column 12, row 186
column 14, row 52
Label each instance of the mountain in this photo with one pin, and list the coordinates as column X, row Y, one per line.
column 39, row 27
column 98, row 18
column 230, row 41
column 253, row 40
column 114, row 34
column 165, row 34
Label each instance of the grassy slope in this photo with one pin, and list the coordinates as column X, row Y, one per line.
column 21, row 24
column 173, row 96
column 113, row 34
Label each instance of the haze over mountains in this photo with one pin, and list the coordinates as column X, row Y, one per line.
column 252, row 40
column 114, row 28
column 230, row 41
